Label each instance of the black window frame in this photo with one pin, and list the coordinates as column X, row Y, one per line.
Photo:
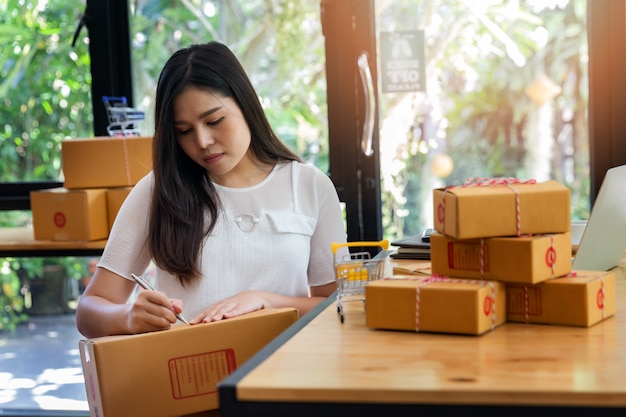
column 607, row 88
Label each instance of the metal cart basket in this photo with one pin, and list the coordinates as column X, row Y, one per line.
column 122, row 119
column 355, row 270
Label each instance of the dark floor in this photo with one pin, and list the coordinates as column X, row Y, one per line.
column 40, row 368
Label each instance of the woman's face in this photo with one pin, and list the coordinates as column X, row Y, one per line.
column 213, row 132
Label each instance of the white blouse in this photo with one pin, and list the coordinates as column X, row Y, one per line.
column 275, row 236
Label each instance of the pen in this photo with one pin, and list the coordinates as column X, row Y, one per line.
column 146, row 286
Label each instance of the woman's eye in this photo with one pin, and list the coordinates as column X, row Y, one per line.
column 183, row 132
column 215, row 122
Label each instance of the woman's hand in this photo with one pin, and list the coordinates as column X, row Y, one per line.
column 103, row 308
column 152, row 311
column 241, row 303
column 249, row 301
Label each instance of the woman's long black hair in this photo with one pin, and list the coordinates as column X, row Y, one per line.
column 183, row 194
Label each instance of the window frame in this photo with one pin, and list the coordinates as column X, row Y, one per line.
column 607, row 88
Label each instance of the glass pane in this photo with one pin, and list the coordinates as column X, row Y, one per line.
column 41, row 108
column 504, row 95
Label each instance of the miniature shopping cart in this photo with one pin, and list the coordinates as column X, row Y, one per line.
column 123, row 120
column 355, row 270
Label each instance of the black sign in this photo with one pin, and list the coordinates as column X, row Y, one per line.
column 402, row 61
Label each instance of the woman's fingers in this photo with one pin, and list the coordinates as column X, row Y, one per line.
column 242, row 303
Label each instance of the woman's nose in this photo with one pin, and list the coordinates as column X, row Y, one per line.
column 205, row 139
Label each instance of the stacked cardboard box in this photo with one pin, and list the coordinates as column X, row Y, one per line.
column 510, row 235
column 501, row 208
column 98, row 175
column 435, row 304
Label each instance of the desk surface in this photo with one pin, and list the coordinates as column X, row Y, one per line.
column 20, row 241
column 517, row 364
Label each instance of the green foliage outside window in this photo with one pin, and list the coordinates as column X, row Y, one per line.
column 44, row 87
column 481, row 58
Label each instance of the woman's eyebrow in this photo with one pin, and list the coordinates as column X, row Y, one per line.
column 202, row 115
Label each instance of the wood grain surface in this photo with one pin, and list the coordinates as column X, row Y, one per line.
column 515, row 364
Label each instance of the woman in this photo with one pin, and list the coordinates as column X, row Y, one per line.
column 233, row 220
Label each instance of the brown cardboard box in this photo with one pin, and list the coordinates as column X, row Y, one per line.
column 442, row 305
column 525, row 259
column 176, row 371
column 62, row 214
column 502, row 210
column 105, row 162
column 582, row 299
column 115, row 199
column 409, row 267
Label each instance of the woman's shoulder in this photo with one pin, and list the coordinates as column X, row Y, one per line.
column 147, row 180
column 308, row 174
column 305, row 168
column 145, row 185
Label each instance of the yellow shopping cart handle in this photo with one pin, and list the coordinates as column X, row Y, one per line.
column 382, row 243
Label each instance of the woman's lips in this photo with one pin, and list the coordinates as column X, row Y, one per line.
column 213, row 158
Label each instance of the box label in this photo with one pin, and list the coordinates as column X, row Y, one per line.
column 195, row 375
column 468, row 256
column 524, row 301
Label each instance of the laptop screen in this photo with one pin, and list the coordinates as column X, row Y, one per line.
column 603, row 242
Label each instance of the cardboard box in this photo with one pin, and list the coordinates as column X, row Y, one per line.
column 62, row 214
column 408, row 267
column 468, row 212
column 525, row 259
column 105, row 162
column 430, row 304
column 115, row 199
column 176, row 371
column 582, row 299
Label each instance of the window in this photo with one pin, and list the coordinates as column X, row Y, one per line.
column 40, row 108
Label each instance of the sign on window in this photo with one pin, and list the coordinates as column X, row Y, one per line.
column 402, row 61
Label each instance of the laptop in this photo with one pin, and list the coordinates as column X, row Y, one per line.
column 603, row 241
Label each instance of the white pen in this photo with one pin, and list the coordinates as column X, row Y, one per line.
column 146, row 286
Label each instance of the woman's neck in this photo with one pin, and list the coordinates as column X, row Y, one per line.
column 248, row 173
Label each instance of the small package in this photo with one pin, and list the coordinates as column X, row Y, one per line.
column 176, row 371
column 435, row 304
column 62, row 214
column 502, row 208
column 105, row 162
column 524, row 259
column 408, row 267
column 115, row 199
column 583, row 298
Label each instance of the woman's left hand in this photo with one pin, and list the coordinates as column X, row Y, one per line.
column 241, row 303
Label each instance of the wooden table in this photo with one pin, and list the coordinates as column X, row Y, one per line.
column 20, row 242
column 321, row 367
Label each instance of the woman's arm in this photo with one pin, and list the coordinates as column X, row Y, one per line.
column 104, row 310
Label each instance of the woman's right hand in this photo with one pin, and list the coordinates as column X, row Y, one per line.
column 152, row 311
column 103, row 309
